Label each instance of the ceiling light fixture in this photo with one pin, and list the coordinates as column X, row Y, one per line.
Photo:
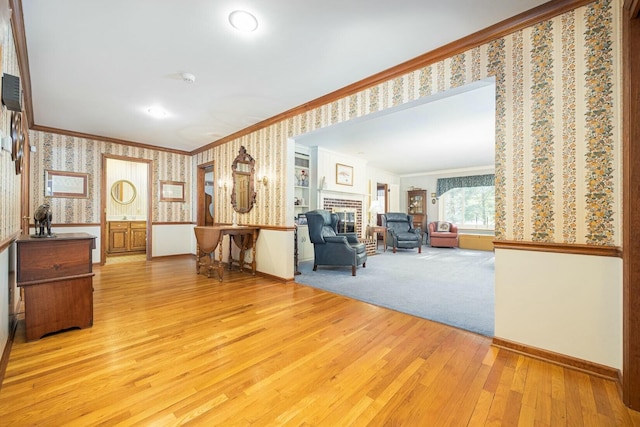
column 188, row 77
column 157, row 112
column 243, row 21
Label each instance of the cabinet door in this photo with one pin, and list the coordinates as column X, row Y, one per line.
column 417, row 202
column 138, row 240
column 137, row 236
column 305, row 247
column 118, row 240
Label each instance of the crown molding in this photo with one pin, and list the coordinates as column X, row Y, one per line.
column 20, row 40
column 106, row 139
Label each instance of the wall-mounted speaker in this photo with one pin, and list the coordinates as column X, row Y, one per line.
column 11, row 92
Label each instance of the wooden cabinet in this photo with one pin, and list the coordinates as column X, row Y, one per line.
column 417, row 206
column 127, row 236
column 305, row 247
column 56, row 276
column 138, row 236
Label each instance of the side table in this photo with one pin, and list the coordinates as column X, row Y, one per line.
column 374, row 230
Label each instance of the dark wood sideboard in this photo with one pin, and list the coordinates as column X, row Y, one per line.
column 56, row 276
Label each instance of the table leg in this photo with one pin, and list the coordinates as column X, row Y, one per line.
column 243, row 246
column 220, row 266
column 253, row 252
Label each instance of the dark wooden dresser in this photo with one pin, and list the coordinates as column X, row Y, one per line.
column 56, row 276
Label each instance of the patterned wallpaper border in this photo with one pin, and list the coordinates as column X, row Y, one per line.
column 68, row 153
column 558, row 171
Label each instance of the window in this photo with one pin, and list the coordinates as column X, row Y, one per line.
column 469, row 207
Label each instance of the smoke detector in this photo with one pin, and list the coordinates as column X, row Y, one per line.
column 188, row 77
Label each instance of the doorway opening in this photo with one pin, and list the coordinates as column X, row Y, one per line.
column 205, row 191
column 126, row 216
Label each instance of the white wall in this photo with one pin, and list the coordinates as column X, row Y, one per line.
column 565, row 303
column 172, row 239
column 429, row 181
column 4, row 298
column 326, row 167
column 271, row 246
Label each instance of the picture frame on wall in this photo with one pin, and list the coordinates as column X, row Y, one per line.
column 171, row 191
column 66, row 184
column 344, row 174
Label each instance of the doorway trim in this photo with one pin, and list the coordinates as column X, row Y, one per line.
column 200, row 191
column 631, row 203
column 103, row 202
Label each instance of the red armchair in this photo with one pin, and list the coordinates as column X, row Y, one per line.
column 440, row 237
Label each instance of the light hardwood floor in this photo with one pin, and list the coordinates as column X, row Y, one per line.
column 169, row 347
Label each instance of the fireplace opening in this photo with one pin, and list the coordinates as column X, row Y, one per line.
column 349, row 212
column 346, row 220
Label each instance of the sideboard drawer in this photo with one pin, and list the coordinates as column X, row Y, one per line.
column 118, row 225
column 51, row 258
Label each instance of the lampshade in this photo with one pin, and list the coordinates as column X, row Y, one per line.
column 376, row 207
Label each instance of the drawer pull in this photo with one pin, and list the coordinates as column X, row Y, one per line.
column 56, row 266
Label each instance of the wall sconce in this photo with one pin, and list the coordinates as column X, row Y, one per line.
column 433, row 198
column 265, row 180
column 222, row 184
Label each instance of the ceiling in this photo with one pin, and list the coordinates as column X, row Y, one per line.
column 448, row 131
column 96, row 67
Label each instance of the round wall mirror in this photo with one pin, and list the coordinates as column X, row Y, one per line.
column 123, row 192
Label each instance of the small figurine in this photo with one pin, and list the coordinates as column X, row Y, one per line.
column 42, row 219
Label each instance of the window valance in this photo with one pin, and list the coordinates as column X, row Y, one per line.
column 445, row 184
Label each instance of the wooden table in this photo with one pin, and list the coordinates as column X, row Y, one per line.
column 57, row 278
column 209, row 238
column 375, row 229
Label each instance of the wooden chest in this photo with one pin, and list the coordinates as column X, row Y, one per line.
column 57, row 278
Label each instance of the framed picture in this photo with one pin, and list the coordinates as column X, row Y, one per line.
column 66, row 184
column 302, row 219
column 171, row 191
column 344, row 174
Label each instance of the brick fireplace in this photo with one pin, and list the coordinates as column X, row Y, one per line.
column 346, row 208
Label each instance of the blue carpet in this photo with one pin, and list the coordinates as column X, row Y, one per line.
column 450, row 286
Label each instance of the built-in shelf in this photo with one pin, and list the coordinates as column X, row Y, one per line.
column 301, row 184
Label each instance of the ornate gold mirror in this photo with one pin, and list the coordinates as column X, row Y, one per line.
column 123, row 192
column 243, row 194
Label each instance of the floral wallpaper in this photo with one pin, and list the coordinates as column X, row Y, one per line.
column 558, row 125
column 601, row 173
column 67, row 153
column 9, row 181
column 542, row 132
column 558, row 136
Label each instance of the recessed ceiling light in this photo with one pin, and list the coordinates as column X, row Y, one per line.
column 242, row 20
column 157, row 112
column 188, row 77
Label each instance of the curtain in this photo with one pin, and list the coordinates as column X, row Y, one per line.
column 445, row 184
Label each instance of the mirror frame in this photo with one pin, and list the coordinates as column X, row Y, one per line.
column 123, row 181
column 244, row 158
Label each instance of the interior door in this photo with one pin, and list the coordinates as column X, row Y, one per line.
column 205, row 191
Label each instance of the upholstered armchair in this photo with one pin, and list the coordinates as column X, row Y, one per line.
column 330, row 247
column 443, row 234
column 400, row 231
